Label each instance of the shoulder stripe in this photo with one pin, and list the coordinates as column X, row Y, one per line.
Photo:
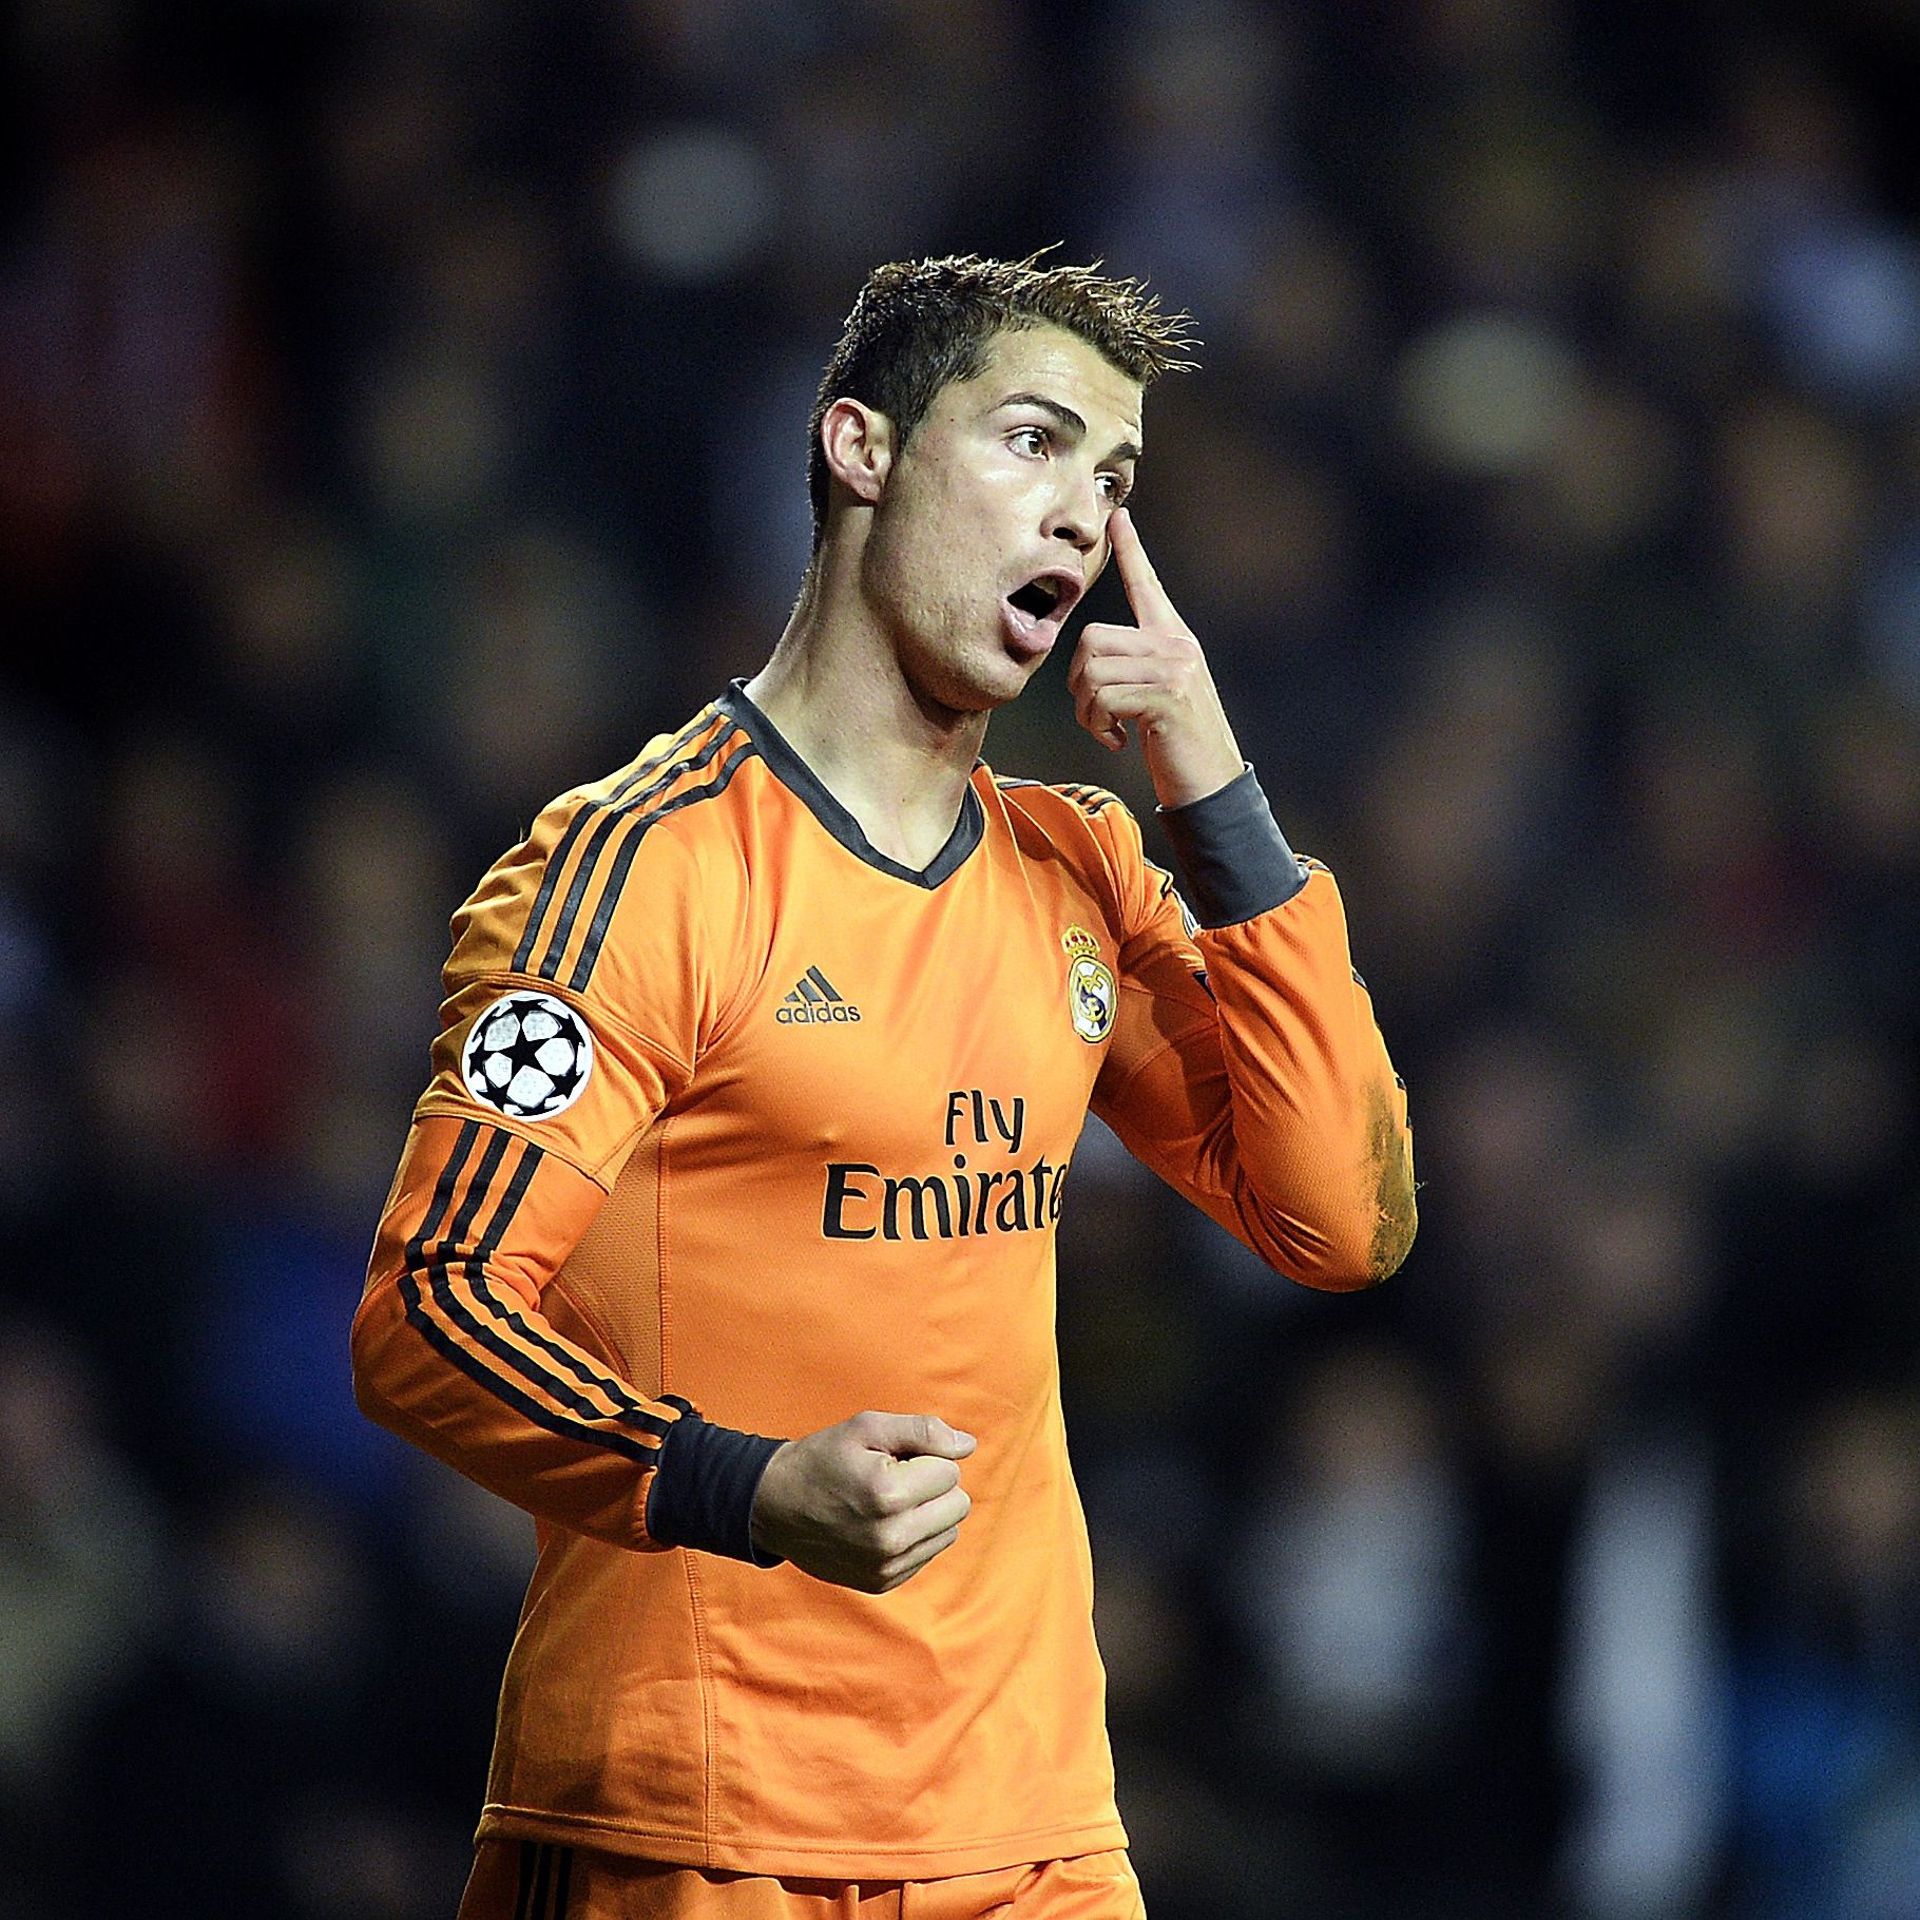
column 557, row 859
column 550, row 879
column 660, row 771
column 1091, row 800
column 611, row 815
column 570, row 907
column 653, row 762
column 449, row 1324
column 623, row 860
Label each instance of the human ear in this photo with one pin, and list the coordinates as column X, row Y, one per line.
column 857, row 442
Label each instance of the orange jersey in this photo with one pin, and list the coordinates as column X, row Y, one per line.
column 730, row 1112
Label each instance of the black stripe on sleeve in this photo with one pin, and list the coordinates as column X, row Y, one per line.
column 543, row 1868
column 625, row 1407
column 623, row 863
column 570, row 908
column 557, row 860
column 483, row 1176
column 523, row 1898
column 1090, row 800
column 511, row 1396
column 645, row 771
column 562, row 1881
column 549, row 968
column 475, row 1263
column 443, row 1191
column 439, row 1280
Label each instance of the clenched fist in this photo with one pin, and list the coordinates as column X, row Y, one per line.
column 865, row 1504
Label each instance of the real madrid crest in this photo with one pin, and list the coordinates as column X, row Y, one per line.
column 1091, row 995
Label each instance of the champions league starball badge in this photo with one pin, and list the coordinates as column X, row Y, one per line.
column 529, row 1056
column 1091, row 994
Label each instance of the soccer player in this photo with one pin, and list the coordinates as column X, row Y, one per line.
column 760, row 1074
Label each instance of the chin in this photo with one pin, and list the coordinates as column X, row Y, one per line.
column 966, row 698
column 974, row 686
column 998, row 684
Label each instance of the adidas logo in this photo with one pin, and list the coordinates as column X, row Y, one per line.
column 814, row 1003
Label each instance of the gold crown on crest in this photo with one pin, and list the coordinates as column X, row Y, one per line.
column 1080, row 944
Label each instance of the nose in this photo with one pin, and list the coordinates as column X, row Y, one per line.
column 1075, row 518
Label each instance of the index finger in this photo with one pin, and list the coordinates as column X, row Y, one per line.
column 1145, row 595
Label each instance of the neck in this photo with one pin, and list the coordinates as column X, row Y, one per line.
column 835, row 688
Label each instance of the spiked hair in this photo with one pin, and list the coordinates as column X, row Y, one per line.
column 920, row 325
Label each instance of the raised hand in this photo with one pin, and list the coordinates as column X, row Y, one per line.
column 1153, row 676
column 865, row 1504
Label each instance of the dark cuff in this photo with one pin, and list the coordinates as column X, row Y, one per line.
column 703, row 1488
column 1231, row 854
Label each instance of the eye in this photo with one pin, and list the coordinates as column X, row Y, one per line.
column 1034, row 441
column 1116, row 487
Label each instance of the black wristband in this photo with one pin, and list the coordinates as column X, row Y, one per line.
column 703, row 1488
column 1232, row 856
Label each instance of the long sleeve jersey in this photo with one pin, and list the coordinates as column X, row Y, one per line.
column 738, row 1127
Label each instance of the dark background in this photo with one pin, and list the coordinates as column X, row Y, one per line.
column 402, row 417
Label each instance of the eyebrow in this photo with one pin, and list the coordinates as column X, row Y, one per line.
column 1066, row 416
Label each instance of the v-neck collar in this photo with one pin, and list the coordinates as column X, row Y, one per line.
column 793, row 773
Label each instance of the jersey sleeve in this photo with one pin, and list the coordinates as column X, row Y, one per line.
column 582, row 982
column 1246, row 1066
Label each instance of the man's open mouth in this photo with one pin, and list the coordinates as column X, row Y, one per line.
column 1038, row 598
column 1039, row 606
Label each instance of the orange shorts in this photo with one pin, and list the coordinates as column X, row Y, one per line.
column 530, row 1880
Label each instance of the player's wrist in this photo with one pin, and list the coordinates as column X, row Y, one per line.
column 1185, row 779
column 1232, row 856
column 705, row 1487
column 764, row 1528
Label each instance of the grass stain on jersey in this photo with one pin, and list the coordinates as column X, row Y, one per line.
column 1395, row 1215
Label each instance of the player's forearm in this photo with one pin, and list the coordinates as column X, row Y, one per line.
column 1319, row 1117
column 452, row 1350
column 410, row 1387
column 692, row 1485
column 1319, row 1151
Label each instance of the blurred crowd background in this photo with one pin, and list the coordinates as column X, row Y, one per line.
column 402, row 416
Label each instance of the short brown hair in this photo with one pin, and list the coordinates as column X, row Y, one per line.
column 920, row 325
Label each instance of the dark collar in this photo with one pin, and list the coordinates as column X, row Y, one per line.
column 793, row 773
